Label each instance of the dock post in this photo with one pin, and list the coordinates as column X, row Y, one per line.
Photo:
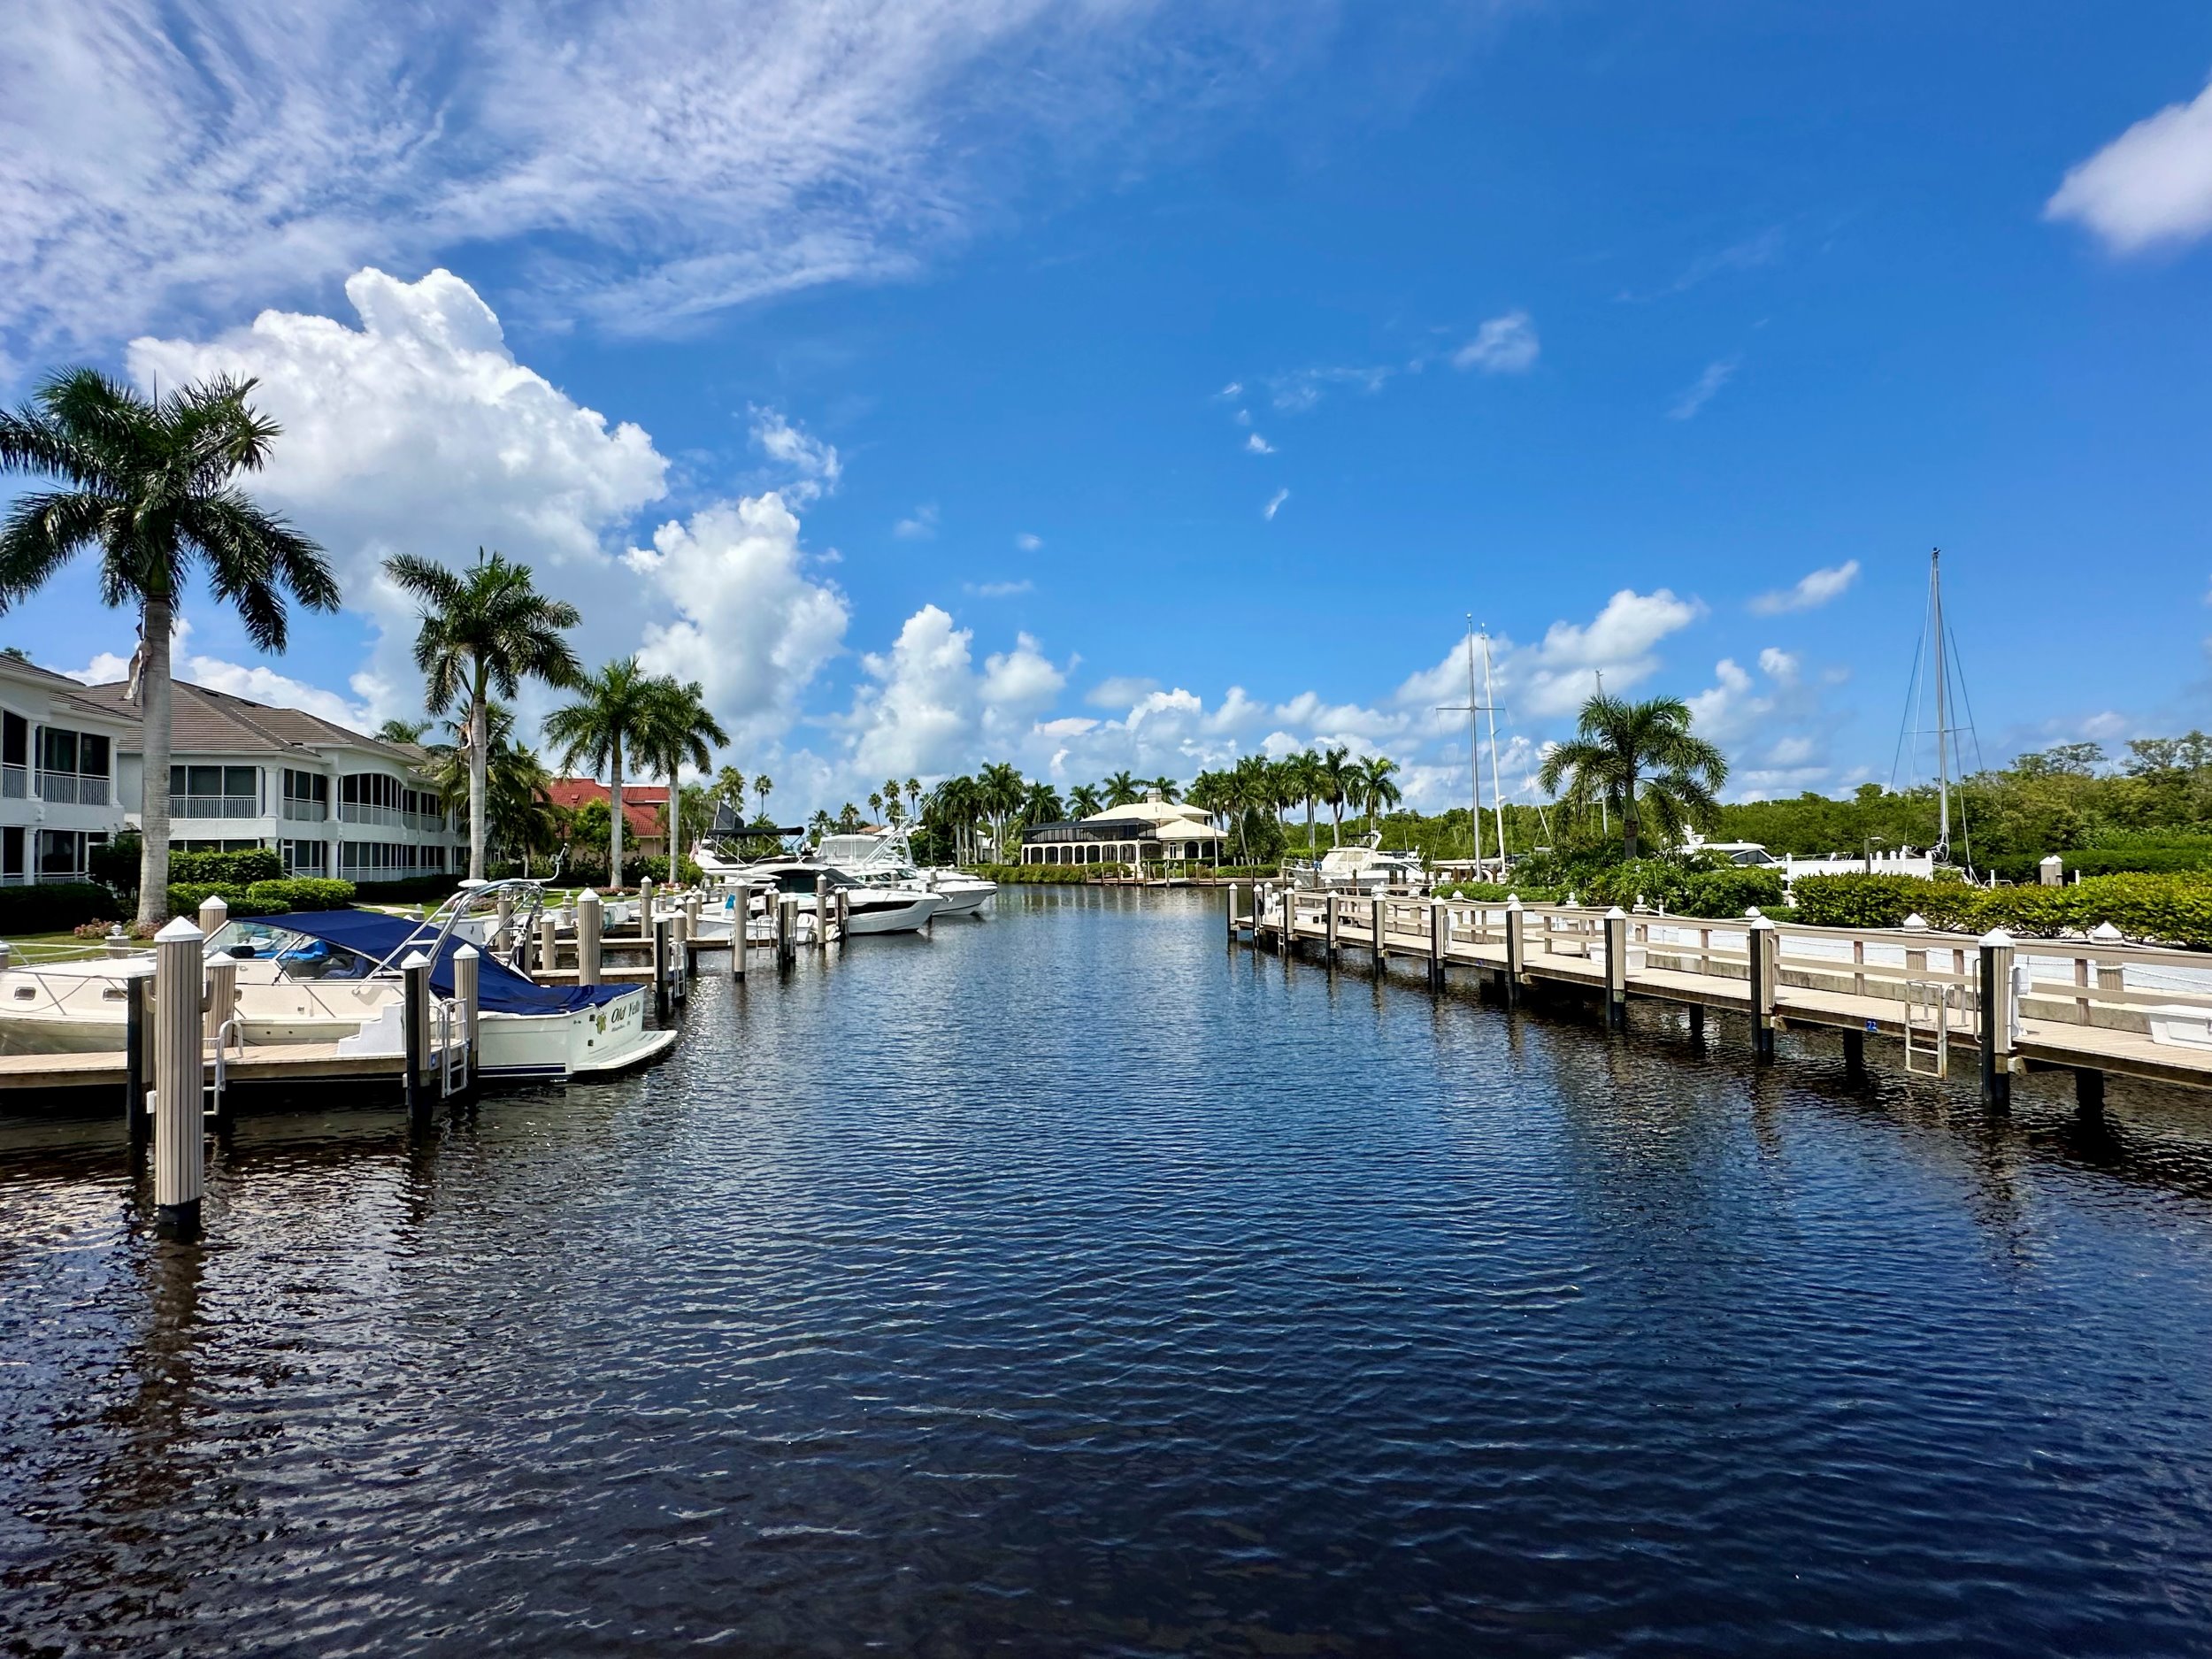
column 680, row 953
column 1335, row 918
column 549, row 944
column 1440, row 924
column 467, row 966
column 1378, row 929
column 137, row 1052
column 1232, row 916
column 741, row 931
column 213, row 913
column 659, row 936
column 1855, row 1055
column 787, row 929
column 503, row 930
column 821, row 910
column 179, row 1128
column 588, row 937
column 645, row 907
column 414, row 974
column 692, row 908
column 1697, row 1024
column 219, row 1002
column 1759, row 940
column 1996, row 1017
column 1515, row 948
column 1616, row 969
column 2089, row 1092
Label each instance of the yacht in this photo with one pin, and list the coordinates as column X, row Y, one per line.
column 869, row 907
column 1361, row 867
column 886, row 857
column 333, row 976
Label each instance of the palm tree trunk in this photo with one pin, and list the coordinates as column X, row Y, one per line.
column 675, row 828
column 479, row 769
column 1309, row 826
column 1336, row 824
column 614, row 815
column 155, row 705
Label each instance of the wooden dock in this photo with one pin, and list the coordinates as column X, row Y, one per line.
column 2050, row 1004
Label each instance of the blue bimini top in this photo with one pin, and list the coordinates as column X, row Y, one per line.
column 499, row 988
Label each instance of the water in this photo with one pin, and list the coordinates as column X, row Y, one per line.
column 1064, row 1283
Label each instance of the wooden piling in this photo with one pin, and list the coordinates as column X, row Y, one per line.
column 414, row 974
column 1334, row 910
column 787, row 929
column 680, row 953
column 2089, row 1092
column 645, row 907
column 1996, row 1017
column 587, row 912
column 218, row 1003
column 1515, row 948
column 466, row 992
column 549, row 944
column 178, row 1124
column 503, row 930
column 1759, row 940
column 1440, row 930
column 659, row 936
column 213, row 914
column 822, row 909
column 1378, row 929
column 138, row 1054
column 1616, row 969
column 1855, row 1055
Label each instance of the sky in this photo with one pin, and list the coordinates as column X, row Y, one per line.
column 1115, row 385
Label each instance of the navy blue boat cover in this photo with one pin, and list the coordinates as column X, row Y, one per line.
column 499, row 988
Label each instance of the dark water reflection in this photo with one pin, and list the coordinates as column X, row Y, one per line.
column 1064, row 1283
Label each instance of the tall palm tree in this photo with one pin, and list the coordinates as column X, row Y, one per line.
column 1376, row 788
column 730, row 785
column 821, row 823
column 848, row 819
column 1121, row 790
column 402, row 731
column 517, row 788
column 1166, row 789
column 679, row 731
column 875, row 802
column 763, row 786
column 1041, row 804
column 1248, row 789
column 1000, row 791
column 1336, row 773
column 1083, row 801
column 483, row 629
column 1642, row 761
column 914, row 798
column 1304, row 776
column 150, row 483
column 614, row 710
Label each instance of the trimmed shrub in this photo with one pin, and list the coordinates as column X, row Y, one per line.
column 237, row 868
column 302, row 893
column 52, row 908
column 2172, row 908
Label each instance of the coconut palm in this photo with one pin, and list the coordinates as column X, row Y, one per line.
column 1336, row 771
column 150, row 482
column 1001, row 789
column 599, row 730
column 875, row 802
column 679, row 731
column 1166, row 789
column 1302, row 773
column 483, row 629
column 1083, row 801
column 516, row 786
column 764, row 786
column 402, row 731
column 730, row 785
column 821, row 824
column 914, row 798
column 1642, row 761
column 1041, row 804
column 848, row 819
column 1121, row 790
column 1375, row 788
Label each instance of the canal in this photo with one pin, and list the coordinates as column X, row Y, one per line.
column 1063, row 1283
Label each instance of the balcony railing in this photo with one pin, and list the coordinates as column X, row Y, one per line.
column 306, row 811
column 360, row 812
column 15, row 783
column 67, row 788
column 214, row 806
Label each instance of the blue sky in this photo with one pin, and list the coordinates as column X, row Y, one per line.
column 922, row 377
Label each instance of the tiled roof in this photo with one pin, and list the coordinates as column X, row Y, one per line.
column 641, row 802
column 204, row 722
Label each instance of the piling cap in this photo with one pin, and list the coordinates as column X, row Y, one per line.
column 468, row 951
column 1616, row 913
column 2106, row 933
column 587, row 894
column 1759, row 921
column 414, row 959
column 1914, row 924
column 1996, row 936
column 180, row 928
column 1512, row 900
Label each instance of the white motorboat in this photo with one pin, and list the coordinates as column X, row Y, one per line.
column 1361, row 867
column 333, row 976
column 869, row 907
column 884, row 856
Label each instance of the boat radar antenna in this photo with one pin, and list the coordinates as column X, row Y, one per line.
column 1470, row 708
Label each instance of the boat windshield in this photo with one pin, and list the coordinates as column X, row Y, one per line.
column 296, row 956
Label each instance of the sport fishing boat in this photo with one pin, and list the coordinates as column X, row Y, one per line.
column 333, row 976
column 1361, row 867
column 886, row 857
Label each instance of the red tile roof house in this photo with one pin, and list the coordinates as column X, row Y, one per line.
column 643, row 832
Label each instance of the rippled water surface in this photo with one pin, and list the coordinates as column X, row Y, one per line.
column 1065, row 1283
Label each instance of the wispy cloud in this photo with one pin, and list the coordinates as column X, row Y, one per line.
column 1810, row 591
column 1000, row 590
column 1702, row 392
column 1301, row 389
column 1257, row 445
column 1274, row 504
column 1028, row 542
column 813, row 461
column 920, row 525
column 1504, row 345
column 2152, row 184
column 1748, row 255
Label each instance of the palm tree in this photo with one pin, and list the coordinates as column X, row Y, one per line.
column 875, row 802
column 1121, row 790
column 516, row 786
column 1337, row 769
column 914, row 798
column 1041, row 804
column 1166, row 789
column 1303, row 773
column 149, row 481
column 1375, row 788
column 1642, row 760
column 402, row 731
column 615, row 709
column 821, row 823
column 763, row 786
column 1209, row 792
column 1249, row 789
column 1083, row 801
column 730, row 785
column 848, row 819
column 1000, row 791
column 483, row 629
column 678, row 730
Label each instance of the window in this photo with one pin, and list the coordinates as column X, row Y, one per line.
column 73, row 766
column 306, row 796
column 215, row 791
column 61, row 854
column 15, row 756
column 384, row 861
column 306, row 858
column 11, row 870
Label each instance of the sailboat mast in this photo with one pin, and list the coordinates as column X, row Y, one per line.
column 1943, row 705
column 1474, row 765
column 1490, row 709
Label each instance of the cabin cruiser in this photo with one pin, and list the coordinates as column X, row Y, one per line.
column 333, row 976
column 1361, row 867
column 869, row 907
column 886, row 857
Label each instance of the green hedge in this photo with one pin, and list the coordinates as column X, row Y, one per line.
column 261, row 898
column 2167, row 907
column 238, row 869
column 54, row 907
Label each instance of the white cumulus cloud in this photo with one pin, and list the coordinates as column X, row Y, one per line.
column 1810, row 591
column 1504, row 345
column 1256, row 445
column 2152, row 184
